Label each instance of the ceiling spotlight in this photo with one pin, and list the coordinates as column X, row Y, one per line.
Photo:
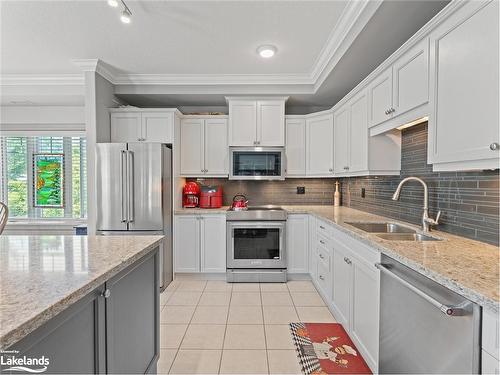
column 113, row 3
column 125, row 16
column 266, row 51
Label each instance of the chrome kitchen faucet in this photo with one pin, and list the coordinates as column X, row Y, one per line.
column 426, row 220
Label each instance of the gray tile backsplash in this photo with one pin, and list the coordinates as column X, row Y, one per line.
column 469, row 201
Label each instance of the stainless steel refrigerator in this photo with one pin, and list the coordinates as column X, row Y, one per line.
column 134, row 194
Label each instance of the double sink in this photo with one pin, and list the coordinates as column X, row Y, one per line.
column 393, row 232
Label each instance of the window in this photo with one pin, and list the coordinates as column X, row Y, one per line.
column 16, row 175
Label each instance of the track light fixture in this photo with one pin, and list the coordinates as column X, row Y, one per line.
column 126, row 14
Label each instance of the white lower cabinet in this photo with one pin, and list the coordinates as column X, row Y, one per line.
column 347, row 279
column 200, row 243
column 490, row 343
column 297, row 243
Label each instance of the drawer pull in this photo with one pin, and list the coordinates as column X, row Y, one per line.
column 322, row 227
column 106, row 293
column 321, row 256
column 347, row 260
column 322, row 242
column 321, row 277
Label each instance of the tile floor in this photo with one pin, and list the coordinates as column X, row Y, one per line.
column 212, row 327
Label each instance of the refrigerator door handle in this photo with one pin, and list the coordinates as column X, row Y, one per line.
column 130, row 200
column 123, row 186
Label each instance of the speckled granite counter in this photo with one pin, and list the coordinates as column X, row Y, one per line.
column 470, row 268
column 41, row 276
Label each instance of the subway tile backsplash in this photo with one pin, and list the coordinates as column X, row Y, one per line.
column 469, row 201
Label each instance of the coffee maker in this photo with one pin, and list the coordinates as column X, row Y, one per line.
column 190, row 195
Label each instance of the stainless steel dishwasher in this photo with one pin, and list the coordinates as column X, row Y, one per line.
column 425, row 327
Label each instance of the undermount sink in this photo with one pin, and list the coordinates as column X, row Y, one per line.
column 418, row 237
column 382, row 227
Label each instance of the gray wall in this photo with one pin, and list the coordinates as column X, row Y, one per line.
column 469, row 201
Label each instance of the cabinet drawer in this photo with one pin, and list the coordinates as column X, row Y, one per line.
column 323, row 241
column 324, row 279
column 490, row 333
column 323, row 256
column 324, row 229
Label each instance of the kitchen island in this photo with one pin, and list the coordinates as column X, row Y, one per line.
column 76, row 301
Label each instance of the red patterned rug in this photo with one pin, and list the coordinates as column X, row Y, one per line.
column 325, row 348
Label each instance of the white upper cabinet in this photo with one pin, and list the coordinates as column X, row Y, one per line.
column 295, row 147
column 356, row 153
column 464, row 122
column 410, row 79
column 380, row 93
column 204, row 150
column 319, row 145
column 401, row 87
column 242, row 122
column 271, row 122
column 256, row 122
column 126, row 127
column 341, row 136
column 142, row 126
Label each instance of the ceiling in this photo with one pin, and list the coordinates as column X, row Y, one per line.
column 204, row 47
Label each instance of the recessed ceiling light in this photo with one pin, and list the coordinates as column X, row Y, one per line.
column 266, row 51
column 113, row 3
column 125, row 17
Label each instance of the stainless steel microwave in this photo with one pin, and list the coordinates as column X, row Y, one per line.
column 257, row 163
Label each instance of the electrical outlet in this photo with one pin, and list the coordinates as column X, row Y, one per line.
column 301, row 189
column 363, row 192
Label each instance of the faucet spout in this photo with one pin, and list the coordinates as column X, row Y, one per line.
column 426, row 220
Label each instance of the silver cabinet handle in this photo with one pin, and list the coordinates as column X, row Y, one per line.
column 449, row 310
column 106, row 293
column 494, row 146
column 130, row 173
column 330, row 170
column 123, row 186
column 321, row 277
column 322, row 242
column 322, row 227
column 347, row 260
column 321, row 256
column 386, row 111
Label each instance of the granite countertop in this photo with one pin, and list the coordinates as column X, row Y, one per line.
column 40, row 276
column 468, row 267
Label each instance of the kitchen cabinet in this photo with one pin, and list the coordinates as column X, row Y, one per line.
column 464, row 113
column 100, row 333
column 342, row 281
column 356, row 153
column 490, row 342
column 142, row 126
column 319, row 145
column 295, row 147
column 256, row 121
column 402, row 87
column 200, row 243
column 297, row 240
column 204, row 149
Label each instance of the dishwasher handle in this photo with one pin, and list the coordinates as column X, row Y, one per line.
column 449, row 310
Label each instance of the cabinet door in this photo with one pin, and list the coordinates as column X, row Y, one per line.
column 126, row 127
column 271, row 122
column 410, row 76
column 296, row 147
column 358, row 138
column 380, row 94
column 187, row 243
column 489, row 364
column 342, row 284
column 192, row 147
column 216, row 150
column 319, row 149
column 297, row 243
column 133, row 318
column 365, row 309
column 341, row 140
column 74, row 340
column 242, row 123
column 213, row 243
column 158, row 127
column 464, row 86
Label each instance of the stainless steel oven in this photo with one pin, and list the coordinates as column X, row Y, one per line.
column 256, row 248
column 257, row 163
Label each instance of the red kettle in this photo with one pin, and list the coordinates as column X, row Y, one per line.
column 239, row 203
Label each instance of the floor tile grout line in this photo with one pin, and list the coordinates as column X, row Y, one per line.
column 264, row 327
column 225, row 330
